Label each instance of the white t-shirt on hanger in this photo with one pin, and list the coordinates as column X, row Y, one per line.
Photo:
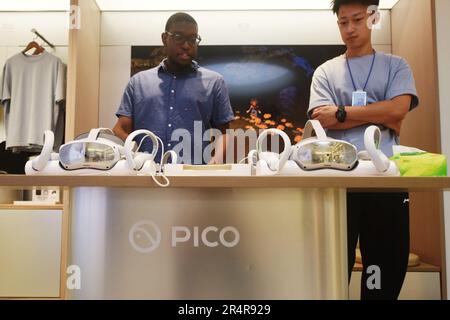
column 2, row 110
column 2, row 125
column 30, row 90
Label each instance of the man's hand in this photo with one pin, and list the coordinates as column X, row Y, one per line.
column 395, row 126
column 123, row 127
column 326, row 115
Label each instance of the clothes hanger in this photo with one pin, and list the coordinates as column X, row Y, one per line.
column 34, row 45
column 39, row 50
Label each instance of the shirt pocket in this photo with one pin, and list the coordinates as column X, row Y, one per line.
column 150, row 111
column 197, row 106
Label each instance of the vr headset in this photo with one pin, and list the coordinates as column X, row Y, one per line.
column 317, row 151
column 99, row 149
column 98, row 152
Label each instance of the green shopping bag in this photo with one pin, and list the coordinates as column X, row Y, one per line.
column 421, row 164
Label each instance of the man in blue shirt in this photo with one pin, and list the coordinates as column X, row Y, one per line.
column 348, row 94
column 177, row 94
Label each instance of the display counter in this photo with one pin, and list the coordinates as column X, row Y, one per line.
column 212, row 237
column 351, row 183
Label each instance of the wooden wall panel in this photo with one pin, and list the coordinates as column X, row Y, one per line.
column 413, row 37
column 84, row 71
column 82, row 108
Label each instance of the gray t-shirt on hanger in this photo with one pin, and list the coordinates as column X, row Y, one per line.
column 332, row 85
column 30, row 89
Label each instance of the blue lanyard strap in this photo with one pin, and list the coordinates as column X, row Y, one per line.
column 368, row 77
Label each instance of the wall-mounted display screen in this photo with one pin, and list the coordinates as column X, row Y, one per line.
column 269, row 85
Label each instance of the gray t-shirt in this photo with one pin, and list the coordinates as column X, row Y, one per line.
column 2, row 125
column 30, row 89
column 332, row 85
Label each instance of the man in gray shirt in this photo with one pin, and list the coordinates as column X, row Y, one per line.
column 349, row 93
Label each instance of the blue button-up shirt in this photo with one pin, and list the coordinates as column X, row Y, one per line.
column 162, row 102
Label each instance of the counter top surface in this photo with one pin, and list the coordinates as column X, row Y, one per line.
column 356, row 183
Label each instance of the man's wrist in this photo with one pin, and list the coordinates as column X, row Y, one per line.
column 341, row 114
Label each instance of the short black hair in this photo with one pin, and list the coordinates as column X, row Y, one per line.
column 338, row 3
column 179, row 17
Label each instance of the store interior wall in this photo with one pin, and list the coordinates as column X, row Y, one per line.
column 413, row 37
column 443, row 50
column 83, row 73
column 15, row 34
column 121, row 30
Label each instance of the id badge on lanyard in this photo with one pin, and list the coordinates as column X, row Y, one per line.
column 359, row 98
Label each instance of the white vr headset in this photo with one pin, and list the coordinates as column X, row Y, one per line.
column 322, row 152
column 99, row 149
column 318, row 154
column 98, row 152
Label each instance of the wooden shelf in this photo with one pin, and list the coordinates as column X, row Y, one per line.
column 423, row 267
column 31, row 207
column 31, row 298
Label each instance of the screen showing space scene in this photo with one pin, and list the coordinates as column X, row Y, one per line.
column 269, row 85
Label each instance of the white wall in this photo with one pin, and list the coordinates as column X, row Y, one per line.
column 15, row 34
column 121, row 30
column 443, row 48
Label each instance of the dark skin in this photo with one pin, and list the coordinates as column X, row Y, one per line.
column 179, row 60
column 180, row 56
column 353, row 26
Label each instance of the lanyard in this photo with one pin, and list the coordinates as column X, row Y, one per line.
column 368, row 77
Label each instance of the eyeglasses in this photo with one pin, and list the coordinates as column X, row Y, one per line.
column 181, row 39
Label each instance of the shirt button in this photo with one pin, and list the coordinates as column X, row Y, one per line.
column 174, row 77
column 169, row 145
column 171, row 108
column 170, row 125
column 173, row 91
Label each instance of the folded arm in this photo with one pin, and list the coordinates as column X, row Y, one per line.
column 389, row 113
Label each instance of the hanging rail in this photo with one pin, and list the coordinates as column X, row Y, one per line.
column 40, row 36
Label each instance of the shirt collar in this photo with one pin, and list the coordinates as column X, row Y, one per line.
column 162, row 66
